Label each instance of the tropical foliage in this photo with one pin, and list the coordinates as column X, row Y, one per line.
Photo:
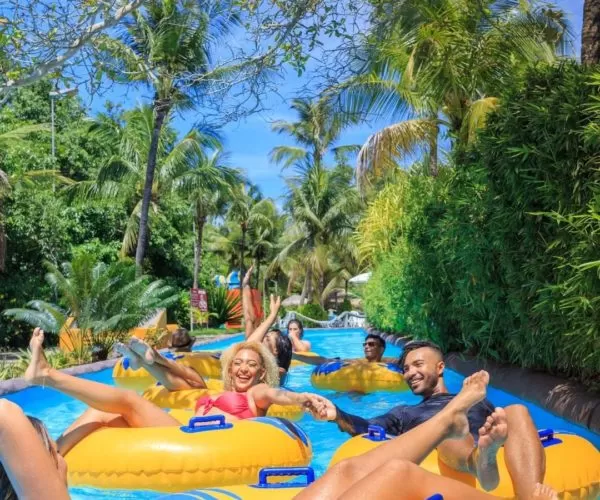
column 103, row 302
column 498, row 258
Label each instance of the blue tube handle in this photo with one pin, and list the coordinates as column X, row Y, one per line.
column 125, row 363
column 220, row 419
column 437, row 496
column 376, row 433
column 546, row 434
column 285, row 471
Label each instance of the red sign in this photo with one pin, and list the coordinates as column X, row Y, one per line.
column 199, row 299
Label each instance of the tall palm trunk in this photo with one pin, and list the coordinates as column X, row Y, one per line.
column 200, row 223
column 2, row 239
column 244, row 227
column 161, row 109
column 258, row 273
column 590, row 32
column 433, row 151
column 307, row 288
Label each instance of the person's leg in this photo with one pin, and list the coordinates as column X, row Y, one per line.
column 413, row 446
column 523, row 452
column 89, row 421
column 174, row 376
column 28, row 464
column 135, row 410
column 413, row 482
column 480, row 460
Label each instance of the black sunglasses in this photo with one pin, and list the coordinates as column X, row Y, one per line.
column 370, row 344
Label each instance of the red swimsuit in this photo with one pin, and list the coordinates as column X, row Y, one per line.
column 234, row 403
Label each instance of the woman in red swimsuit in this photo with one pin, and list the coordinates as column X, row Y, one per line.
column 250, row 379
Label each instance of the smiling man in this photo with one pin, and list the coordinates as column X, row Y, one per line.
column 423, row 365
column 373, row 347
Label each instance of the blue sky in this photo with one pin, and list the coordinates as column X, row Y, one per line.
column 250, row 140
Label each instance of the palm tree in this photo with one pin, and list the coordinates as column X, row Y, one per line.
column 105, row 301
column 264, row 237
column 167, row 47
column 436, row 67
column 208, row 186
column 123, row 176
column 10, row 139
column 323, row 208
column 248, row 210
column 316, row 131
column 590, row 32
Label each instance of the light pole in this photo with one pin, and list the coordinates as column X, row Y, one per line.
column 57, row 94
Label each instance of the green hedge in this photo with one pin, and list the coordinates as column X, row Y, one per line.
column 502, row 260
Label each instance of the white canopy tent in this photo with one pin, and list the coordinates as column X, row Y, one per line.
column 360, row 279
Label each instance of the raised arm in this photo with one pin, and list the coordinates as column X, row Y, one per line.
column 28, row 464
column 259, row 334
column 311, row 360
column 247, row 307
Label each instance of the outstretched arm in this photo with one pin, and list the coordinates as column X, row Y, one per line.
column 392, row 421
column 259, row 334
column 247, row 307
column 28, row 464
column 265, row 396
column 310, row 360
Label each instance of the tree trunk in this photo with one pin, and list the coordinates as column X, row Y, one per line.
column 200, row 223
column 2, row 239
column 433, row 152
column 309, row 285
column 590, row 32
column 258, row 273
column 161, row 110
column 242, row 251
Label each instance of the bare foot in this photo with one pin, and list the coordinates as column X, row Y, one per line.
column 473, row 390
column 543, row 492
column 126, row 352
column 492, row 436
column 38, row 366
column 143, row 350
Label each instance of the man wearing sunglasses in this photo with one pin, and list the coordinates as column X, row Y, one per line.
column 490, row 428
column 373, row 347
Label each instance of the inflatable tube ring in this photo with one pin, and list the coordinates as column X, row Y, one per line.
column 263, row 490
column 191, row 427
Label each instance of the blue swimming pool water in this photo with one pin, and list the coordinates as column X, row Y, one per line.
column 58, row 411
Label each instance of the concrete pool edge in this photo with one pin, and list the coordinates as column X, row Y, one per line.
column 565, row 398
column 18, row 384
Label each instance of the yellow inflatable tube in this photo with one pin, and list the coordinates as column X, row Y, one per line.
column 207, row 364
column 206, row 453
column 572, row 464
column 358, row 376
column 264, row 489
column 186, row 400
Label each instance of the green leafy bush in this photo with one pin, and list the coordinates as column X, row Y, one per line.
column 500, row 257
column 223, row 307
column 105, row 300
column 314, row 311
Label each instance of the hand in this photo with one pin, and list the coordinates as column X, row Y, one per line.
column 319, row 407
column 275, row 304
column 248, row 276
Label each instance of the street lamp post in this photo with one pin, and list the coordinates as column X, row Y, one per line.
column 57, row 94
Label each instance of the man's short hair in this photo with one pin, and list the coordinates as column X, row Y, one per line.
column 413, row 345
column 376, row 337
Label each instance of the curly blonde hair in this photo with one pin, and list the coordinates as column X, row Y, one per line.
column 267, row 359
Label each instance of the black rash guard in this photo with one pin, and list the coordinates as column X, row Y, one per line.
column 405, row 417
